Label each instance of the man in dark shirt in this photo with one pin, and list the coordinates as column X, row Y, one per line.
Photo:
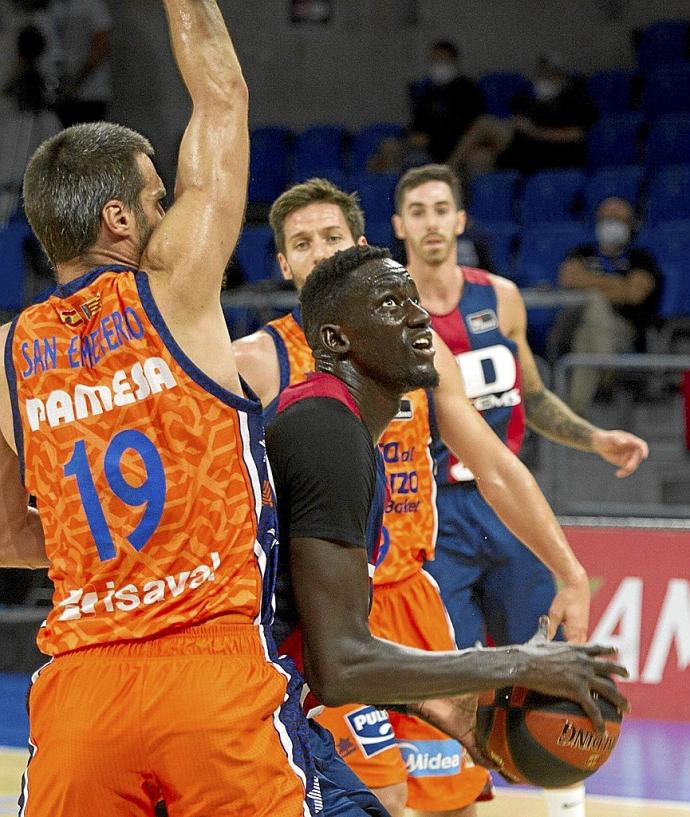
column 623, row 282
column 548, row 128
column 372, row 343
column 444, row 105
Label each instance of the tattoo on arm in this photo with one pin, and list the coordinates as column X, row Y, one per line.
column 549, row 416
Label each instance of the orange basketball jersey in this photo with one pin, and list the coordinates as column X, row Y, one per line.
column 151, row 480
column 410, row 521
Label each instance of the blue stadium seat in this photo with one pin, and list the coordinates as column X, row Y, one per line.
column 269, row 163
column 624, row 182
column 553, row 195
column 375, row 194
column 669, row 242
column 502, row 238
column 675, row 292
column 669, row 195
column 611, row 91
column 365, row 143
column 499, row 90
column 320, row 150
column 492, row 196
column 255, row 253
column 615, row 140
column 543, row 248
column 667, row 90
column 661, row 42
column 13, row 236
column 669, row 141
column 380, row 234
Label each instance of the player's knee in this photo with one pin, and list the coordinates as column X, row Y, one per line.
column 393, row 798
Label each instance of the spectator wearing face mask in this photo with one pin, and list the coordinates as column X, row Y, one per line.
column 624, row 283
column 548, row 128
column 444, row 105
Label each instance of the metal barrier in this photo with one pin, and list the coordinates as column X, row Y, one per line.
column 558, row 486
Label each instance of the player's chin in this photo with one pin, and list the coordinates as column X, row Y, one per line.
column 423, row 375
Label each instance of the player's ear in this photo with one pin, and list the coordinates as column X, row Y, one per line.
column 284, row 266
column 461, row 222
column 117, row 219
column 398, row 228
column 334, row 339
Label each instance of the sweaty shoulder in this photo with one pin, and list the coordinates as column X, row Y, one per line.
column 257, row 363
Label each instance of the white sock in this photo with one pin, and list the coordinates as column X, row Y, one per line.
column 568, row 802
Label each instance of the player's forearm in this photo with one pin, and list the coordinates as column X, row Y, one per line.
column 517, row 499
column 203, row 50
column 373, row 670
column 549, row 416
column 24, row 546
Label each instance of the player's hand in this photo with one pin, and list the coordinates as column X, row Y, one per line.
column 457, row 717
column 570, row 608
column 620, row 448
column 578, row 672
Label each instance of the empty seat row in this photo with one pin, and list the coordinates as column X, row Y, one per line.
column 560, row 195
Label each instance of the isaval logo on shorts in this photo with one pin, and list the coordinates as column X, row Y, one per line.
column 372, row 730
column 431, row 758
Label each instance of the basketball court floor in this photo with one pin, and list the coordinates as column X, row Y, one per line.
column 648, row 774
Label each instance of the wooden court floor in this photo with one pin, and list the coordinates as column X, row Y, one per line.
column 506, row 804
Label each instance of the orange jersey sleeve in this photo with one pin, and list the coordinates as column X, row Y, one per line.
column 410, row 520
column 150, row 479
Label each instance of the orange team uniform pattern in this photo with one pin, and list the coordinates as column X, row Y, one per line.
column 144, row 480
column 406, row 609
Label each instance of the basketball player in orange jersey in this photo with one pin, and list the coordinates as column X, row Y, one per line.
column 122, row 411
column 415, row 764
column 488, row 579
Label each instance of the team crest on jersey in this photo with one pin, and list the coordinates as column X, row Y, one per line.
column 405, row 412
column 71, row 317
column 372, row 730
column 483, row 321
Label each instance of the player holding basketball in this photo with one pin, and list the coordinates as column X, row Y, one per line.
column 311, row 221
column 122, row 411
column 372, row 343
column 488, row 579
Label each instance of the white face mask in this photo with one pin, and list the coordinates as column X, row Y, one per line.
column 611, row 232
column 545, row 89
column 442, row 73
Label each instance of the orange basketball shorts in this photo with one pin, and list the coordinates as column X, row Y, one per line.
column 203, row 719
column 385, row 749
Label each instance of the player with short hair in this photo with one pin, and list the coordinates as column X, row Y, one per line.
column 372, row 343
column 488, row 579
column 311, row 221
column 122, row 411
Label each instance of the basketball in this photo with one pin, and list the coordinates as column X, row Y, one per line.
column 544, row 741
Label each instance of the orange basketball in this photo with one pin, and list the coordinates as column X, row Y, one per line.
column 544, row 741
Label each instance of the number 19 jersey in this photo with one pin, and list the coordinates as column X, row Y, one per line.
column 151, row 480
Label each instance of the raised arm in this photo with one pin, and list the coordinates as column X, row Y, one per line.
column 547, row 414
column 512, row 492
column 191, row 246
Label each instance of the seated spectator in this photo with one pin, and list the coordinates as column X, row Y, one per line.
column 624, row 283
column 548, row 128
column 444, row 105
